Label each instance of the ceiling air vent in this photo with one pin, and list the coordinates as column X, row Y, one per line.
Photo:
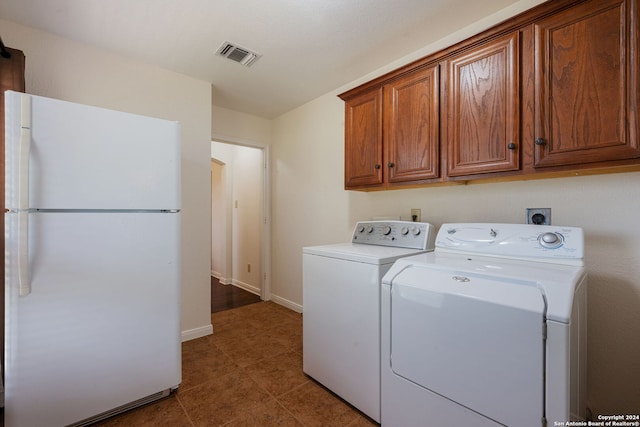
column 238, row 54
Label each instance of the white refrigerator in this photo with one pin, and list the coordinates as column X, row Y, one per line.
column 92, row 261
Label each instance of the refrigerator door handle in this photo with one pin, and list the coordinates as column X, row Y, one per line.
column 23, row 196
column 23, row 254
column 24, row 152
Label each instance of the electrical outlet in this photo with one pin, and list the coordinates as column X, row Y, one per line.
column 415, row 215
column 539, row 216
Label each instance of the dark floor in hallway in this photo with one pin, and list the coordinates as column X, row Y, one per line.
column 224, row 297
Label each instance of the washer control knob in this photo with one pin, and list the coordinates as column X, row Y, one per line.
column 415, row 231
column 361, row 229
column 386, row 230
column 404, row 231
column 370, row 229
column 550, row 240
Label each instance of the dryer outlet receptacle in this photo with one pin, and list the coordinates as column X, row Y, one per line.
column 415, row 215
column 539, row 216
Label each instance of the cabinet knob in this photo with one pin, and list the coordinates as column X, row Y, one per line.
column 540, row 141
column 391, row 164
column 376, row 166
column 511, row 146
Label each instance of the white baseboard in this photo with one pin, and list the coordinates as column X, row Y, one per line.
column 286, row 303
column 247, row 287
column 200, row 332
column 222, row 280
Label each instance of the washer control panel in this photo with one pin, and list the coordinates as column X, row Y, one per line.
column 397, row 234
column 519, row 241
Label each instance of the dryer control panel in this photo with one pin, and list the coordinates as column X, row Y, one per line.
column 546, row 243
column 397, row 234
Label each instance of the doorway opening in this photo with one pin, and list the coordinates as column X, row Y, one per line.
column 239, row 218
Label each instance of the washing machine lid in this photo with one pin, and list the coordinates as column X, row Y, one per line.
column 474, row 339
column 368, row 254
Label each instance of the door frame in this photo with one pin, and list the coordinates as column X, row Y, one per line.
column 265, row 289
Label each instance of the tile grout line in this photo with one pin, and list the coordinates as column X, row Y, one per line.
column 186, row 413
column 279, row 402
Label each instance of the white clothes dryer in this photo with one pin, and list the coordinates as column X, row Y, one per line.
column 487, row 330
column 341, row 306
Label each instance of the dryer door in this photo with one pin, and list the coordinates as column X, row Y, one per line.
column 475, row 340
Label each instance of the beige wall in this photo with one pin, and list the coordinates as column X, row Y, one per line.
column 247, row 218
column 233, row 126
column 310, row 207
column 59, row 68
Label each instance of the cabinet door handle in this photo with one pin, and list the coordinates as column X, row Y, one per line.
column 540, row 141
column 511, row 146
column 376, row 166
column 391, row 164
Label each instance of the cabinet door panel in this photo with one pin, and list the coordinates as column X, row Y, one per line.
column 363, row 140
column 585, row 61
column 482, row 121
column 411, row 126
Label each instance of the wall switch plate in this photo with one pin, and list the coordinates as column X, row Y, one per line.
column 539, row 216
column 415, row 215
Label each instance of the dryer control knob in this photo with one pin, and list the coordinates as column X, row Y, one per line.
column 550, row 240
column 369, row 229
column 404, row 231
column 415, row 231
column 386, row 230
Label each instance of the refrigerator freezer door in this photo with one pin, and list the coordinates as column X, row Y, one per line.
column 83, row 157
column 101, row 327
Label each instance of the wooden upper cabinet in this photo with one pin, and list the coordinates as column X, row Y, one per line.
column 586, row 90
column 549, row 92
column 363, row 140
column 392, row 132
column 411, row 127
column 481, row 115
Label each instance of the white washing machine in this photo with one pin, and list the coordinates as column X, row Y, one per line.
column 341, row 299
column 487, row 330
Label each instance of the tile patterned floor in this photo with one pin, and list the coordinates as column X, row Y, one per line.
column 248, row 373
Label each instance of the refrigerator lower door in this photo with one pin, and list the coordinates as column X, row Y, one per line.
column 101, row 326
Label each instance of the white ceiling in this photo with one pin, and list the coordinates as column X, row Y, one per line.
column 309, row 47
